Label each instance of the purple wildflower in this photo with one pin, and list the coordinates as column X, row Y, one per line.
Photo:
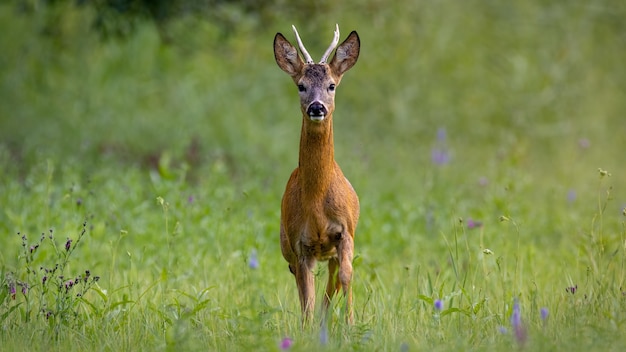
column 571, row 196
column 516, row 323
column 286, row 343
column 571, row 289
column 584, row 143
column 253, row 261
column 68, row 244
column 439, row 154
column 404, row 347
column 441, row 134
column 438, row 305
column 471, row 224
column 544, row 313
column 324, row 335
column 68, row 285
column 503, row 330
column 12, row 289
column 516, row 317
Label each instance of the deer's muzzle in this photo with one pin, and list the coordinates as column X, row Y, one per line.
column 316, row 111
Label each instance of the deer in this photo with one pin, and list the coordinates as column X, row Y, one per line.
column 319, row 208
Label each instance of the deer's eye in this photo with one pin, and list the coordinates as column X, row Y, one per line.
column 331, row 87
column 301, row 88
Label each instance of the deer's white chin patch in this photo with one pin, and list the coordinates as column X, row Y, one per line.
column 317, row 118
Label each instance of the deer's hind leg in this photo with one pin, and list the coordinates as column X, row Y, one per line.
column 333, row 284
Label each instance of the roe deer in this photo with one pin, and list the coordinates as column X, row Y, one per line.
column 320, row 209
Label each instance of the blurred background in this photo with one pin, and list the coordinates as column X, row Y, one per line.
column 454, row 95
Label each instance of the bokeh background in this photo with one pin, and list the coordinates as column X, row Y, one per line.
column 456, row 114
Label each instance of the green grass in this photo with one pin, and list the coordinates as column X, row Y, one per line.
column 173, row 160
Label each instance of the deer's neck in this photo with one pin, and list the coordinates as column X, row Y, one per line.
column 317, row 158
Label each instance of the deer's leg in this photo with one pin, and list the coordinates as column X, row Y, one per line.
column 306, row 287
column 345, row 256
column 333, row 284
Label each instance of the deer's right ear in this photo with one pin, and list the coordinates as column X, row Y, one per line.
column 287, row 56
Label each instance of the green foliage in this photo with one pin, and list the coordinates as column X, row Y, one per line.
column 473, row 132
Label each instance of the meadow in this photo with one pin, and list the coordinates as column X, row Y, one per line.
column 140, row 181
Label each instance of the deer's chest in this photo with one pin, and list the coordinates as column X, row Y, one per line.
column 320, row 235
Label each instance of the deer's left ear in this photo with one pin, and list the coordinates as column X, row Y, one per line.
column 287, row 56
column 346, row 54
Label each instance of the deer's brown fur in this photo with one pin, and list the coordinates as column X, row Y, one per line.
column 320, row 209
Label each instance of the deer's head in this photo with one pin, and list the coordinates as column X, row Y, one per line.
column 317, row 82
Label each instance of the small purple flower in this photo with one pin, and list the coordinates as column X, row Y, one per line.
column 43, row 281
column 190, row 199
column 440, row 156
column 438, row 305
column 544, row 313
column 324, row 335
column 286, row 343
column 503, row 330
column 516, row 317
column 571, row 196
column 516, row 323
column 471, row 224
column 68, row 285
column 404, row 347
column 584, row 143
column 253, row 261
column 571, row 289
column 68, row 244
column 441, row 135
column 24, row 288
column 12, row 290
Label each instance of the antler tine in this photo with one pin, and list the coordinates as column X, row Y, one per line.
column 332, row 46
column 305, row 53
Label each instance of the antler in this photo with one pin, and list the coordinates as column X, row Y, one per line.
column 332, row 46
column 305, row 53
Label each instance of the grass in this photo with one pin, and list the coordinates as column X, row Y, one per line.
column 473, row 133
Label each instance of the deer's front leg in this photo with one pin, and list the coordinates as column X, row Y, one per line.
column 333, row 284
column 345, row 256
column 306, row 287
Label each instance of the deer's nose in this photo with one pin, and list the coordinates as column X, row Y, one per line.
column 316, row 109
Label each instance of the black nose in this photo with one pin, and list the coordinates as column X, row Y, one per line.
column 316, row 109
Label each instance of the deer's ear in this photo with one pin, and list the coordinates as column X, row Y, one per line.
column 346, row 54
column 287, row 56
